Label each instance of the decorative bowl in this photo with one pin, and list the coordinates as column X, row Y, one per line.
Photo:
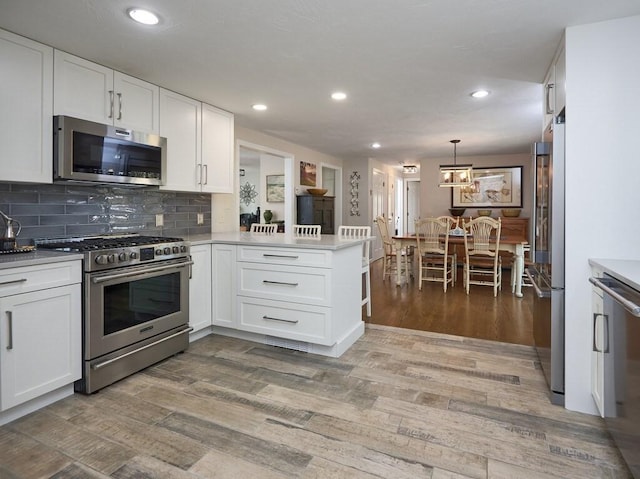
column 484, row 212
column 457, row 211
column 317, row 191
column 511, row 212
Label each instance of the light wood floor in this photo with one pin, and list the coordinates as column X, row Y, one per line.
column 398, row 404
column 477, row 315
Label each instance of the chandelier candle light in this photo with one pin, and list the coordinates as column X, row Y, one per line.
column 454, row 175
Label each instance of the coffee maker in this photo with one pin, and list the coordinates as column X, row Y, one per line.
column 8, row 235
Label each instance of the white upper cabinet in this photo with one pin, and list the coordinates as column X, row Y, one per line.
column 26, row 103
column 554, row 88
column 217, row 150
column 83, row 89
column 199, row 145
column 561, row 75
column 181, row 125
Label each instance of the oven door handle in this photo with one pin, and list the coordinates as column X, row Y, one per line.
column 102, row 279
column 630, row 306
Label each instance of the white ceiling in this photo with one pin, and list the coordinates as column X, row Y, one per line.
column 408, row 66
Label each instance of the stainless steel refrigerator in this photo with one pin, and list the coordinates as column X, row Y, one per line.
column 547, row 272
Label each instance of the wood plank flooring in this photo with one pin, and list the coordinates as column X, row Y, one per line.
column 399, row 404
column 505, row 318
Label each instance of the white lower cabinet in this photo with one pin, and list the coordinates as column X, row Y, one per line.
column 224, row 285
column 40, row 335
column 200, row 288
column 600, row 346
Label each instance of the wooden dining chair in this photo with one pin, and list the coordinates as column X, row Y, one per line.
column 390, row 258
column 263, row 228
column 482, row 264
column 435, row 261
column 361, row 232
column 307, row 230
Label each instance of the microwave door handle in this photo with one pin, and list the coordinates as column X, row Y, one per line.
column 119, row 105
column 110, row 104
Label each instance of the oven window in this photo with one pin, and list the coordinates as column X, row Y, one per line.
column 133, row 303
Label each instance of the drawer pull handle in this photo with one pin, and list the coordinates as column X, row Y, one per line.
column 265, row 281
column 10, row 338
column 292, row 321
column 266, row 255
column 23, row 280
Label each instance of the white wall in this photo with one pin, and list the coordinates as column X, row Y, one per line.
column 603, row 173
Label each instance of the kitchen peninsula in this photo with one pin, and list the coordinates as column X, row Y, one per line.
column 300, row 293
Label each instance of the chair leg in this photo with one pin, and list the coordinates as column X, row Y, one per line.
column 367, row 283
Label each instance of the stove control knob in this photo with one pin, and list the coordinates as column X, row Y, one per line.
column 158, row 252
column 111, row 258
column 101, row 259
column 122, row 257
column 176, row 250
column 167, row 250
column 183, row 249
column 133, row 255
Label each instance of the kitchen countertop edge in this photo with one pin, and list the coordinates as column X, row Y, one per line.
column 280, row 240
column 627, row 271
column 37, row 257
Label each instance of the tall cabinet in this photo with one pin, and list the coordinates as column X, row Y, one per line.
column 317, row 210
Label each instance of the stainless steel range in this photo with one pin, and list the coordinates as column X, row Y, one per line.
column 135, row 303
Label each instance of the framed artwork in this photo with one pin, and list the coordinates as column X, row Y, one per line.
column 494, row 187
column 275, row 188
column 307, row 174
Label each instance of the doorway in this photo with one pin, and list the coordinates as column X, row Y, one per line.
column 412, row 202
column 378, row 208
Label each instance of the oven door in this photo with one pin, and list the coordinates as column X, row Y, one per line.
column 127, row 305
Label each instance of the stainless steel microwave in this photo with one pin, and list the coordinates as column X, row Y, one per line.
column 86, row 151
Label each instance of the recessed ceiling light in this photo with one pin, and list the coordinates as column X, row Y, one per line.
column 259, row 107
column 143, row 16
column 375, row 145
column 338, row 95
column 480, row 93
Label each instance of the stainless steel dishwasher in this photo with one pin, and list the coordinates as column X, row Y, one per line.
column 622, row 394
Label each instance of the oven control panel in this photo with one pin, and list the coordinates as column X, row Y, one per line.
column 130, row 256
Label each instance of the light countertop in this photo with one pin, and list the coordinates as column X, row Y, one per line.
column 627, row 271
column 16, row 260
column 285, row 240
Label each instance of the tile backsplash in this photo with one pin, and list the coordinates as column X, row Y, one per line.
column 62, row 210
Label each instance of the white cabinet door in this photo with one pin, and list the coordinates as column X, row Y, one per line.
column 200, row 287
column 560, row 81
column 82, row 89
column 26, row 102
column 224, row 285
column 217, row 150
column 137, row 104
column 86, row 90
column 180, row 123
column 40, row 344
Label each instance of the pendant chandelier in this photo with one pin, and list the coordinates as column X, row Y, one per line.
column 454, row 175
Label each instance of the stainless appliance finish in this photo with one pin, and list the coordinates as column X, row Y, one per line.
column 135, row 303
column 547, row 272
column 622, row 367
column 85, row 151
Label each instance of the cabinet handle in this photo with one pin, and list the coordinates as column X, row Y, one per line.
column 266, row 255
column 199, row 173
column 605, row 332
column 119, row 106
column 110, row 104
column 10, row 323
column 206, row 174
column 279, row 282
column 549, row 87
column 292, row 321
column 22, row 280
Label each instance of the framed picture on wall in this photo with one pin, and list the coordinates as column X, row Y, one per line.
column 494, row 187
column 307, row 174
column 275, row 188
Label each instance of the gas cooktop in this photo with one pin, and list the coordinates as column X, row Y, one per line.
column 113, row 251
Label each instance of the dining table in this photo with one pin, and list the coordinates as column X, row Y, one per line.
column 514, row 245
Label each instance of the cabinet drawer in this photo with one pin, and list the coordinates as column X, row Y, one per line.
column 285, row 320
column 31, row 278
column 288, row 256
column 285, row 283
